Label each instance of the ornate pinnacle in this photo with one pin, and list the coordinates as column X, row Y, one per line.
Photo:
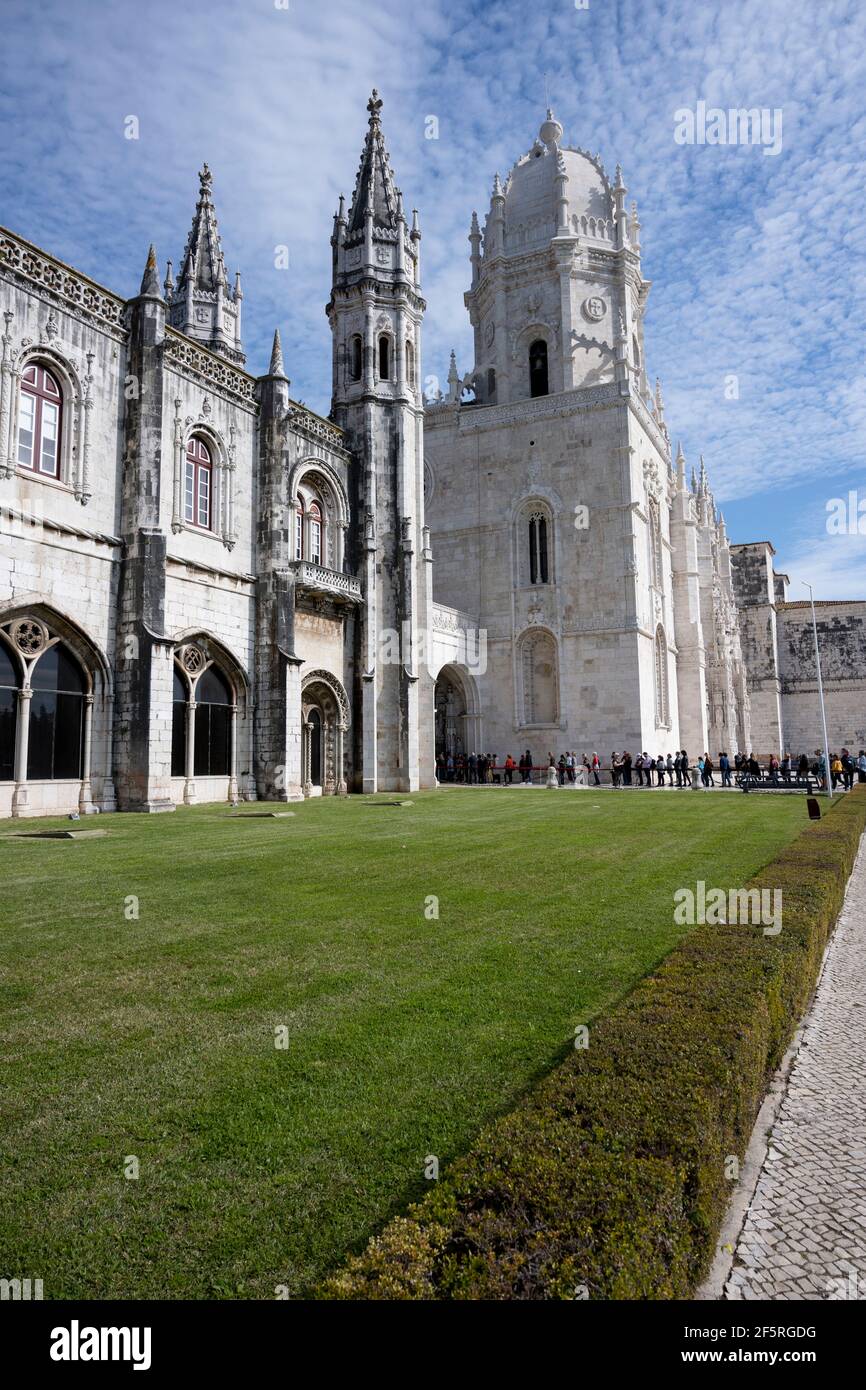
column 150, row 279
column 277, row 368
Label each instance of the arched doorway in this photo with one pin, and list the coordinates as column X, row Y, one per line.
column 456, row 713
column 324, row 721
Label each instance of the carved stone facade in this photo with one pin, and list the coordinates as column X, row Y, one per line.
column 208, row 592
column 639, row 611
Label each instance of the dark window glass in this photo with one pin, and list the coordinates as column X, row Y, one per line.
column 384, row 358
column 212, row 689
column 212, row 725
column 178, row 739
column 58, row 670
column 8, row 674
column 356, row 359
column 56, row 717
column 538, row 368
column 8, row 720
column 212, row 728
column 542, row 548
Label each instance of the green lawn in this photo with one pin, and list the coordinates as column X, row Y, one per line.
column 155, row 1037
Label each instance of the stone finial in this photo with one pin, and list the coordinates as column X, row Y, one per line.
column 168, row 282
column 277, row 368
column 374, row 106
column 150, row 278
column 551, row 130
column 238, row 293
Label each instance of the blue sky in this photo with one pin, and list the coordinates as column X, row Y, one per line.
column 756, row 261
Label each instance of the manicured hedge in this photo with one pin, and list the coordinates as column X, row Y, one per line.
column 608, row 1180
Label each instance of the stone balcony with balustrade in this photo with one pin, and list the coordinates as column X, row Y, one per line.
column 319, row 582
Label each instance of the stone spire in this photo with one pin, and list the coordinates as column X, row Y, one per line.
column 277, row 368
column 203, row 261
column 203, row 305
column 150, row 278
column 374, row 185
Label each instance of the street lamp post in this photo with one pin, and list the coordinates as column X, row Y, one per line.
column 820, row 691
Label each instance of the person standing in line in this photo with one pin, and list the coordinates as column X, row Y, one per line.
column 861, row 765
column 670, row 768
column 615, row 770
column 596, row 769
column 638, row 767
column 725, row 769
column 626, row 768
column 527, row 766
column 509, row 770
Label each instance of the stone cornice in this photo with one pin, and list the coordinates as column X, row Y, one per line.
column 62, row 285
column 212, row 370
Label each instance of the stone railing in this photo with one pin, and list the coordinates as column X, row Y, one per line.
column 72, row 290
column 319, row 580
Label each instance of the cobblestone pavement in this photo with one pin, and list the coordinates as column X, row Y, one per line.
column 804, row 1236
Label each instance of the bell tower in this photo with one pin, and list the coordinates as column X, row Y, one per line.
column 375, row 312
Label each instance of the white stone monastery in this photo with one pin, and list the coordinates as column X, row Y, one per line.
column 208, row 592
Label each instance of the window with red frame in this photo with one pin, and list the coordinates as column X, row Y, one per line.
column 315, row 533
column 39, row 418
column 198, row 485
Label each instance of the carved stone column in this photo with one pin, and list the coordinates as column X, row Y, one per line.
column 189, row 785
column 308, row 750
column 233, row 756
column 22, row 744
column 85, row 798
column 339, row 770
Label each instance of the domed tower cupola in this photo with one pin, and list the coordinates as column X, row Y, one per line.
column 553, row 277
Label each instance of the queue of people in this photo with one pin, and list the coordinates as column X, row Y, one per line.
column 646, row 770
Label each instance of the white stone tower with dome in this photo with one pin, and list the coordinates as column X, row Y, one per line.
column 560, row 520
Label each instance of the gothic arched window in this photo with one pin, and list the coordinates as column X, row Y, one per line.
column 539, row 566
column 9, row 684
column 213, row 701
column 313, row 525
column 538, row 384
column 180, row 698
column 385, row 357
column 56, row 716
column 314, row 530
column 211, row 751
column 40, row 411
column 410, row 363
column 661, row 671
column 539, row 679
column 198, row 485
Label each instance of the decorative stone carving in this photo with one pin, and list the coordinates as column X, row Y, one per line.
column 594, row 308
column 192, row 659
column 29, row 636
